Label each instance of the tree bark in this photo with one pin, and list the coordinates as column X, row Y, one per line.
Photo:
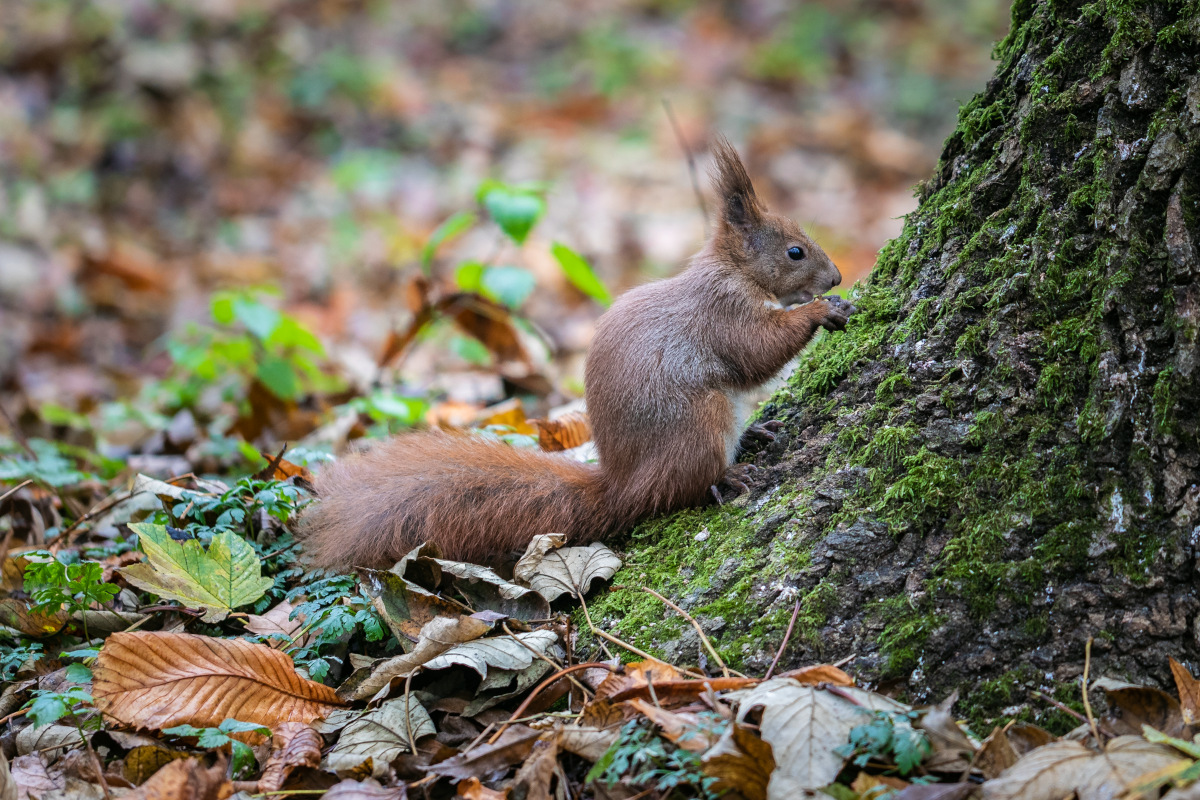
column 1000, row 458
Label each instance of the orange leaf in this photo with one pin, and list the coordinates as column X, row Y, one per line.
column 186, row 779
column 159, row 680
column 1189, row 692
column 819, row 673
column 569, row 430
column 296, row 745
column 472, row 789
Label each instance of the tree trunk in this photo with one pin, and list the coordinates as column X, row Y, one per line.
column 1000, row 457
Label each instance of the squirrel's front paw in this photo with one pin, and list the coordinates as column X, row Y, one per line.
column 837, row 314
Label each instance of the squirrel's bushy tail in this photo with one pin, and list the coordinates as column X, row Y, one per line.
column 477, row 500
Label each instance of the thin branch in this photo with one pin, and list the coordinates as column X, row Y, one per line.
column 786, row 636
column 516, row 715
column 1087, row 706
column 604, row 635
column 700, row 631
column 543, row 657
column 691, row 162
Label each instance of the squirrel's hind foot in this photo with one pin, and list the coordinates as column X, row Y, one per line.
column 735, row 478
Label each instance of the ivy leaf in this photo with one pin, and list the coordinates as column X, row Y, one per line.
column 226, row 576
column 514, row 209
column 508, row 285
column 580, row 273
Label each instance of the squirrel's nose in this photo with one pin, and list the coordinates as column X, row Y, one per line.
column 837, row 276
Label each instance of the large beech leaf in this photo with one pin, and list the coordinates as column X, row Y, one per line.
column 218, row 580
column 803, row 725
column 160, row 680
column 565, row 570
column 380, row 735
column 1064, row 767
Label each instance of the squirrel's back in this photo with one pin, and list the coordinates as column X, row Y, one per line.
column 477, row 499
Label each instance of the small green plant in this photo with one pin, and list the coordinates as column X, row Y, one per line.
column 889, row 737
column 243, row 760
column 51, row 464
column 13, row 657
column 54, row 586
column 46, row 707
column 643, row 759
column 237, row 510
column 332, row 610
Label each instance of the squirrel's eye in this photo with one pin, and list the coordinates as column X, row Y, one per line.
column 795, row 253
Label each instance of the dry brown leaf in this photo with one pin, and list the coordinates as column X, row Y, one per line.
column 996, row 754
column 276, row 623
column 158, row 680
column 438, row 636
column 1024, row 738
column 1060, row 768
column 740, row 761
column 936, row 791
column 405, row 607
column 509, row 414
column 871, row 786
column 953, row 750
column 1129, row 708
column 142, row 762
column 819, row 673
column 295, row 745
column 30, row 776
column 601, row 713
column 587, row 743
column 186, row 780
column 682, row 729
column 566, row 570
column 365, row 790
column 472, row 789
column 513, row 747
column 1189, row 692
column 568, row 431
column 8, row 784
column 280, row 469
column 533, row 779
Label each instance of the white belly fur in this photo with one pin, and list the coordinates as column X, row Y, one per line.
column 743, row 404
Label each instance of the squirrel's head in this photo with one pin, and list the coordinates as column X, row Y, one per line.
column 774, row 251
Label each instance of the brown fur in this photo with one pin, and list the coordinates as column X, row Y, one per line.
column 665, row 377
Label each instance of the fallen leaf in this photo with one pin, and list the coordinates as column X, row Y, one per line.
column 405, row 607
column 586, row 742
column 936, row 791
column 186, row 779
column 511, row 654
column 30, row 776
column 513, row 747
column 566, row 570
column 437, row 636
column 802, row 725
column 485, row 590
column 277, row 623
column 280, row 469
column 953, row 751
column 533, row 779
column 53, row 740
column 508, row 414
column 143, row 761
column 740, row 761
column 295, row 746
column 568, row 431
column 819, row 673
column 1024, row 738
column 380, row 735
column 472, row 789
column 8, row 784
column 1189, row 692
column 1060, row 768
column 996, row 754
column 159, row 680
column 225, row 576
column 365, row 790
column 682, row 729
column 1129, row 708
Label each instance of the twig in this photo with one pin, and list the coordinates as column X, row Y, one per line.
column 786, row 636
column 1060, row 706
column 543, row 657
column 691, row 162
column 18, row 436
column 14, row 715
column 1087, row 706
column 845, row 660
column 15, row 489
column 95, row 758
column 99, row 508
column 700, row 631
column 537, row 690
column 412, row 742
column 650, row 688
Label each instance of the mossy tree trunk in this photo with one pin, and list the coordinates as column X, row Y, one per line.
column 1000, row 457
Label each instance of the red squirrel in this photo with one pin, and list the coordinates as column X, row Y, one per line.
column 666, row 379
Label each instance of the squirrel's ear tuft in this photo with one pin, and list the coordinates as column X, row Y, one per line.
column 739, row 205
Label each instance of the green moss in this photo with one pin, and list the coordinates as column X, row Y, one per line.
column 906, row 629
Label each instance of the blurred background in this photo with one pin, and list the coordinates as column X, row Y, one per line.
column 231, row 223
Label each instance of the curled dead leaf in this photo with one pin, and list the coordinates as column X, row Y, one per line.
column 568, row 431
column 186, row 778
column 295, row 746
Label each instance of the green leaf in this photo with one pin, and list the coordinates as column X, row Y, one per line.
column 46, row 709
column 515, row 210
column 452, row 227
column 508, row 285
column 226, row 576
column 580, row 273
column 237, row 726
column 290, row 333
column 469, row 276
column 277, row 375
column 78, row 673
column 259, row 319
